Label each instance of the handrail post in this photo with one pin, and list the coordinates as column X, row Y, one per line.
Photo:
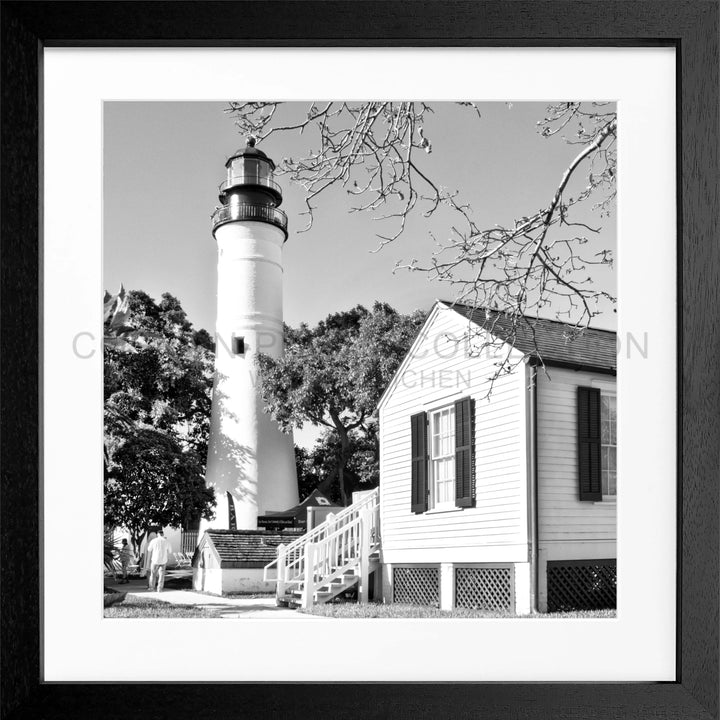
column 365, row 525
column 309, row 584
column 376, row 518
column 281, row 571
column 330, row 520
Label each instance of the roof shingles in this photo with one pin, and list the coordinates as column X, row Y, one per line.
column 247, row 548
column 551, row 341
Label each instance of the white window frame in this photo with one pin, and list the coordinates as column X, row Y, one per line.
column 433, row 502
column 603, row 445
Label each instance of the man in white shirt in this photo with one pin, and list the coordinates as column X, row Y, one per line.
column 159, row 553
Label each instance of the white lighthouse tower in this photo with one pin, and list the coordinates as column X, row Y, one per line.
column 251, row 464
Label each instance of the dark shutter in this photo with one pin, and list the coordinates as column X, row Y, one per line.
column 588, row 431
column 418, row 452
column 464, row 455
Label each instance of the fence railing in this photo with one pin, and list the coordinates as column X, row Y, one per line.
column 188, row 541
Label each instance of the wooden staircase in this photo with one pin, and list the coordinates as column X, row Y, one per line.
column 333, row 558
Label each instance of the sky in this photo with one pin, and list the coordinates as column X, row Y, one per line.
column 163, row 162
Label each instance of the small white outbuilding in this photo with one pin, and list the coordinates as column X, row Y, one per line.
column 232, row 561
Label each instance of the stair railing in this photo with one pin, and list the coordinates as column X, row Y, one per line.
column 336, row 540
column 294, row 552
column 348, row 548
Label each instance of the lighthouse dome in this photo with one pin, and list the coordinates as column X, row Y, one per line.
column 250, row 151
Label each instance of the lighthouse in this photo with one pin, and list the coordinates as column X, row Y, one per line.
column 251, row 463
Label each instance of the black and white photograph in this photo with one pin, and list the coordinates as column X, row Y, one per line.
column 360, row 359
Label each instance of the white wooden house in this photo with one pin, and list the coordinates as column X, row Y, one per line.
column 503, row 500
column 496, row 495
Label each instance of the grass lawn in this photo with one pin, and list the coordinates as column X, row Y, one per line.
column 139, row 607
column 351, row 611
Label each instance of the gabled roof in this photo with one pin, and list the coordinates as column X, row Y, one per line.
column 418, row 339
column 591, row 350
column 244, row 548
column 552, row 340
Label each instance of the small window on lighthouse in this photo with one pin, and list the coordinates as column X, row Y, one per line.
column 238, row 345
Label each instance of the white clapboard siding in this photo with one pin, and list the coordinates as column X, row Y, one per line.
column 500, row 516
column 563, row 518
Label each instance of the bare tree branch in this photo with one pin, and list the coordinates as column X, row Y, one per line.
column 533, row 266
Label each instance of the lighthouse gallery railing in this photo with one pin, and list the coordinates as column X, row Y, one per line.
column 247, row 211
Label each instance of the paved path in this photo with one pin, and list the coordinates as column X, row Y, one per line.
column 226, row 607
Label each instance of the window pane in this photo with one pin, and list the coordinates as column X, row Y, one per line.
column 442, row 467
column 604, row 404
column 612, row 484
column 608, row 434
column 604, row 469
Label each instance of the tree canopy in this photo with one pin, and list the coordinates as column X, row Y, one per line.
column 317, row 468
column 157, row 386
column 332, row 376
column 154, row 481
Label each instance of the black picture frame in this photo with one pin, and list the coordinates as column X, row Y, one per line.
column 691, row 27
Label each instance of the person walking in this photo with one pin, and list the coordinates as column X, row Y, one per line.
column 145, row 555
column 126, row 557
column 159, row 552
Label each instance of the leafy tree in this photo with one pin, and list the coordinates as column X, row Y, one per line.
column 318, row 468
column 161, row 375
column 307, row 474
column 154, row 482
column 333, row 375
column 157, row 386
column 377, row 152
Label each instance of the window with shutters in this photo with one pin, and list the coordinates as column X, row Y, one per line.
column 597, row 444
column 442, row 473
column 608, row 439
column 442, row 458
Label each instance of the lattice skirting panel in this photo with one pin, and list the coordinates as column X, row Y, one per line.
column 485, row 588
column 416, row 585
column 581, row 585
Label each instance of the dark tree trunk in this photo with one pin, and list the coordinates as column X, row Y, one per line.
column 345, row 454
